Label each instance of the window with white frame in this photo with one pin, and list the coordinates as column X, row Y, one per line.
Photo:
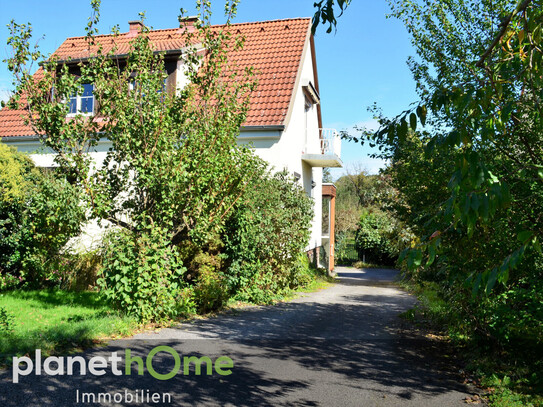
column 83, row 103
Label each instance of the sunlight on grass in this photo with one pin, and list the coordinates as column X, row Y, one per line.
column 54, row 320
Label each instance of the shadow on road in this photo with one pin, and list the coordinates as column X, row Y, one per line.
column 343, row 346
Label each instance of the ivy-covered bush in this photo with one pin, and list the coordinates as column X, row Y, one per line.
column 143, row 276
column 39, row 214
column 264, row 238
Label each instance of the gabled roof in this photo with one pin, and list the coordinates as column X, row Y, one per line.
column 274, row 48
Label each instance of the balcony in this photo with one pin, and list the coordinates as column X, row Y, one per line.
column 327, row 153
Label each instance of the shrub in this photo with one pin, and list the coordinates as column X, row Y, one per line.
column 264, row 238
column 142, row 276
column 6, row 321
column 301, row 274
column 77, row 271
column 210, row 292
column 204, row 265
column 375, row 236
column 8, row 282
column 39, row 214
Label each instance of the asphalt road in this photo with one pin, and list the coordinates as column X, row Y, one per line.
column 343, row 346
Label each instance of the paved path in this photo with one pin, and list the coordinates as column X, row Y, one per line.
column 343, row 346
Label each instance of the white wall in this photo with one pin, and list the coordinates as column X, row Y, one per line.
column 286, row 152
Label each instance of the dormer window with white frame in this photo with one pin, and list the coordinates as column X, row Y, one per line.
column 83, row 103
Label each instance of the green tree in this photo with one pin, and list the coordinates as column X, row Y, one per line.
column 174, row 175
column 467, row 160
column 174, row 162
column 480, row 103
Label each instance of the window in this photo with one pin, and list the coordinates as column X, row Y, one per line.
column 83, row 103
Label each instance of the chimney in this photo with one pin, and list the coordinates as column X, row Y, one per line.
column 135, row 28
column 188, row 23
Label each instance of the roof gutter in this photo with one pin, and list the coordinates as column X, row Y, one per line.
column 118, row 56
column 20, row 138
column 275, row 127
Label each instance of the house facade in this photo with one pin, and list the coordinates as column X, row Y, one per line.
column 284, row 122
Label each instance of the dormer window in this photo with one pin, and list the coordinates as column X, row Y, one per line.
column 83, row 103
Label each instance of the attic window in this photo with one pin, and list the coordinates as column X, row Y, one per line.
column 83, row 103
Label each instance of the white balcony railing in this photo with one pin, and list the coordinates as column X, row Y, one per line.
column 330, row 142
column 327, row 153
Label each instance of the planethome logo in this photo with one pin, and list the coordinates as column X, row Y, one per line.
column 99, row 365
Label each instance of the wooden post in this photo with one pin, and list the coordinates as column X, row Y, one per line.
column 329, row 190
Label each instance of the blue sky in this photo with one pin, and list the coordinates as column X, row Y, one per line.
column 362, row 63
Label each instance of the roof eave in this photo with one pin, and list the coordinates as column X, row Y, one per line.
column 271, row 127
column 169, row 52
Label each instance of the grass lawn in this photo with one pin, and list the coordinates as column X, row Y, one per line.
column 57, row 321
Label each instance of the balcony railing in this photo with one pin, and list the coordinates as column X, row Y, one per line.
column 330, row 142
column 328, row 152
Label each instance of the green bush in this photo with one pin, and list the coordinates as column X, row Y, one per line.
column 204, row 265
column 143, row 276
column 39, row 214
column 264, row 238
column 8, row 282
column 301, row 274
column 375, row 237
column 78, row 271
column 210, row 292
column 6, row 321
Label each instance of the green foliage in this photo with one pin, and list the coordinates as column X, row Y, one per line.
column 142, row 275
column 264, row 238
column 175, row 181
column 376, row 238
column 210, row 291
column 38, row 216
column 8, row 282
column 6, row 321
column 326, row 13
column 466, row 161
column 365, row 219
column 204, row 271
column 345, row 250
column 14, row 170
column 79, row 271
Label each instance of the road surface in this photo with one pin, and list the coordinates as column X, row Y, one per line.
column 342, row 346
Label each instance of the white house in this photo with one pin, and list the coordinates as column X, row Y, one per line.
column 284, row 122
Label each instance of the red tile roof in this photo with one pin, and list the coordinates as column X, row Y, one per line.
column 273, row 48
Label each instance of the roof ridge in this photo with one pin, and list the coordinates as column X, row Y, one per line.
column 215, row 25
